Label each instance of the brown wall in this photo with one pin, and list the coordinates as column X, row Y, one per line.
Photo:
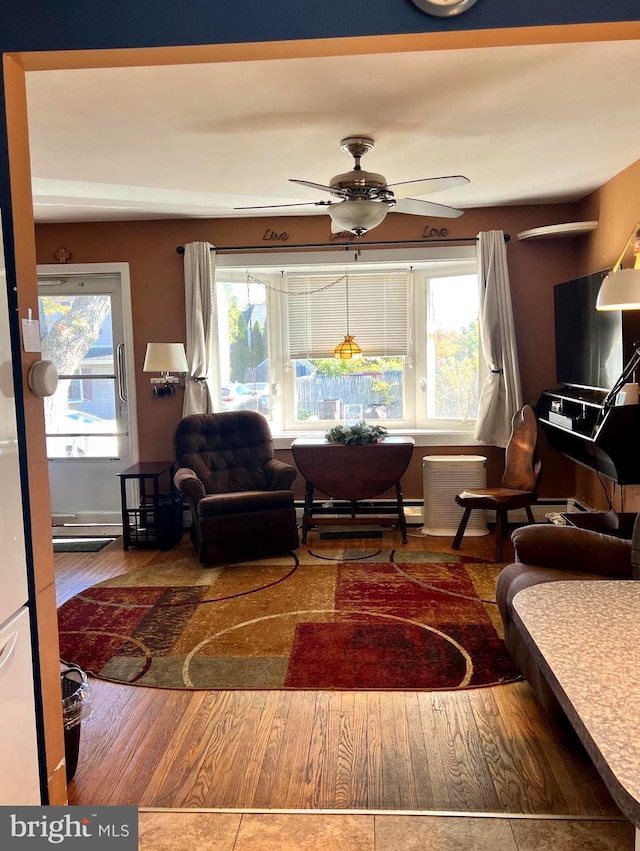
column 158, row 299
column 615, row 206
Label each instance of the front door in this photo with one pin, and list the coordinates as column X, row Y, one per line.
column 84, row 326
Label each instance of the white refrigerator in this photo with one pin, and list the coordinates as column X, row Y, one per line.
column 19, row 764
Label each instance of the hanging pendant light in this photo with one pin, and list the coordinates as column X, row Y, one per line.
column 348, row 348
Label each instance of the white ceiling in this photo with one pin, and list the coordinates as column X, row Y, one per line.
column 546, row 123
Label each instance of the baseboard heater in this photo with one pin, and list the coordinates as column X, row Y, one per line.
column 546, row 506
column 414, row 508
column 333, row 505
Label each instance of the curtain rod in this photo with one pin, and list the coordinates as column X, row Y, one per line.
column 348, row 246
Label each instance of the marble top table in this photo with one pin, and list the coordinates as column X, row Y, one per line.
column 585, row 636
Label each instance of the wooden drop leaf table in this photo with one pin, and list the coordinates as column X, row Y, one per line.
column 353, row 473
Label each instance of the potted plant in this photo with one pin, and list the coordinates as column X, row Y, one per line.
column 357, row 434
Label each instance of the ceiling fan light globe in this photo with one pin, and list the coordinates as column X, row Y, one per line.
column 358, row 216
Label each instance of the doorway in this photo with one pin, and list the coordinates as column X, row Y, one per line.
column 90, row 422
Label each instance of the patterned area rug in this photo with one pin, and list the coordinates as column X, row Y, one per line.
column 329, row 619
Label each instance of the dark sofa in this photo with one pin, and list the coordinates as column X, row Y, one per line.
column 549, row 553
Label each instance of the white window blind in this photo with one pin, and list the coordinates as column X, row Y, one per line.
column 378, row 315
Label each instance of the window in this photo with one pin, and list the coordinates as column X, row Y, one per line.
column 414, row 315
column 78, row 337
column 243, row 341
column 453, row 347
column 76, row 390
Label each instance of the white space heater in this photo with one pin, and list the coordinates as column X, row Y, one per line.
column 443, row 477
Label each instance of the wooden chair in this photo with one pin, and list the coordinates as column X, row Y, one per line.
column 518, row 488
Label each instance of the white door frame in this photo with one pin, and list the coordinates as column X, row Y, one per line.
column 122, row 269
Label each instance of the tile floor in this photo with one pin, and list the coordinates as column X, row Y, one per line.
column 234, row 831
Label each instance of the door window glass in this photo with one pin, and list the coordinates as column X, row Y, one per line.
column 76, row 336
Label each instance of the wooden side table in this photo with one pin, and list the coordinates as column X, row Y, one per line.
column 353, row 473
column 157, row 520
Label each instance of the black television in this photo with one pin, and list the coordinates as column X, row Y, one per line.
column 589, row 342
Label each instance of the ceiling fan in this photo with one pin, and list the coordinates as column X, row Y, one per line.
column 365, row 198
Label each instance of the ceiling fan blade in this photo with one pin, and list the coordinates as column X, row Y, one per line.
column 275, row 206
column 426, row 208
column 427, row 186
column 339, row 192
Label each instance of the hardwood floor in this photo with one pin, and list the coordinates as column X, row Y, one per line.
column 486, row 750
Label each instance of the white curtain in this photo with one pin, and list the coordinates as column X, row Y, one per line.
column 501, row 394
column 199, row 264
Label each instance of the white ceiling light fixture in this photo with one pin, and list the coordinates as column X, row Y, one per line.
column 357, row 216
column 620, row 290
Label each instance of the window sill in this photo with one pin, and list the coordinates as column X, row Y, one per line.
column 422, row 437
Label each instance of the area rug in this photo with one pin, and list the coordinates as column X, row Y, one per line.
column 80, row 545
column 326, row 619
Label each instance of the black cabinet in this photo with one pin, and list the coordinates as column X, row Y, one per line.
column 603, row 438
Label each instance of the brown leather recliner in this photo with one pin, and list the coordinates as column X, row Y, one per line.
column 548, row 553
column 239, row 494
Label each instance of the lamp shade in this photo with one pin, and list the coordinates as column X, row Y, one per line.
column 165, row 357
column 358, row 215
column 620, row 290
column 347, row 349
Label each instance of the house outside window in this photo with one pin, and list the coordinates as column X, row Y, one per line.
column 75, row 391
column 414, row 314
